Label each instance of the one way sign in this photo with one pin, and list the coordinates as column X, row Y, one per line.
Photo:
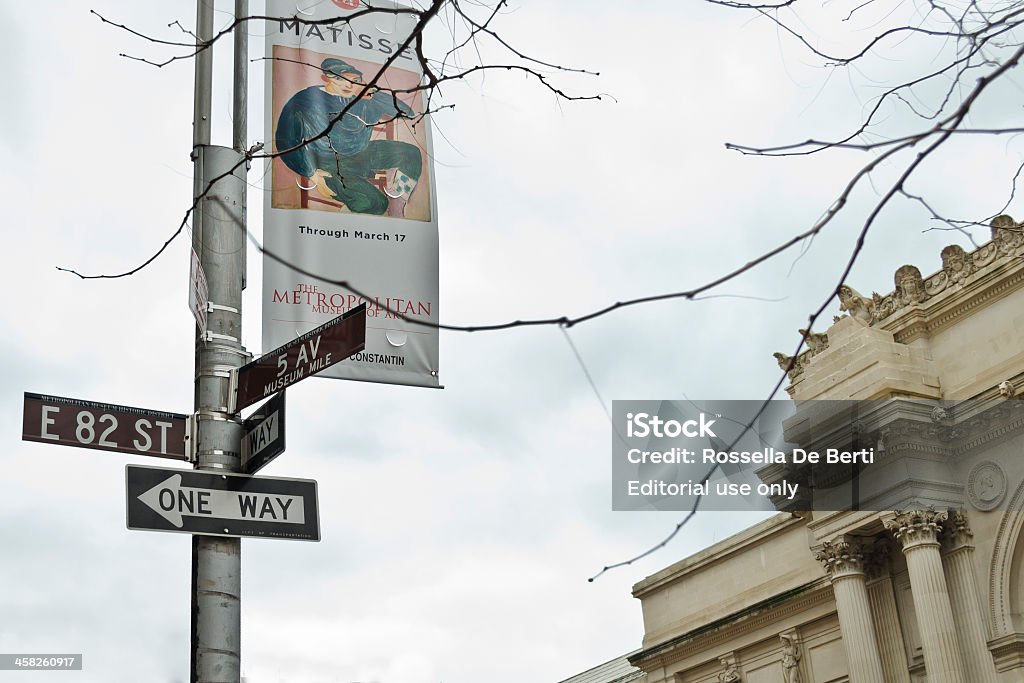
column 264, row 435
column 221, row 504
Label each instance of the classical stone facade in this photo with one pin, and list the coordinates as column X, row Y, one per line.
column 924, row 579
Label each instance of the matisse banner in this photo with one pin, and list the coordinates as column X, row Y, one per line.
column 350, row 195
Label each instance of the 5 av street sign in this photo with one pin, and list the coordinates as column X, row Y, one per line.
column 104, row 426
column 221, row 504
column 320, row 348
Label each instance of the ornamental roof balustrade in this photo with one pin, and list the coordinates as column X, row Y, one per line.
column 919, row 307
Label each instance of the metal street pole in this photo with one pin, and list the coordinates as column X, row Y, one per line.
column 239, row 110
column 239, row 103
column 219, row 240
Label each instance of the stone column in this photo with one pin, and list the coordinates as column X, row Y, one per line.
column 844, row 562
column 965, row 600
column 918, row 532
column 886, row 615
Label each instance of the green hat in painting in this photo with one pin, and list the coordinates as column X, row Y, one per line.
column 338, row 67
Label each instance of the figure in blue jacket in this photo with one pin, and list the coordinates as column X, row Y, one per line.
column 342, row 163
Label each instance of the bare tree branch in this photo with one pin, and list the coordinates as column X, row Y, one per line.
column 975, row 47
column 933, row 137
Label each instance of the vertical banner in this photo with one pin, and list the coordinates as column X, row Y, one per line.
column 356, row 204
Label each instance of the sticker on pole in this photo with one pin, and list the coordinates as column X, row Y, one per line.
column 198, row 292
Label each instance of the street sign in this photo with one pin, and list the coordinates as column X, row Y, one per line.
column 320, row 348
column 103, row 426
column 264, row 435
column 221, row 504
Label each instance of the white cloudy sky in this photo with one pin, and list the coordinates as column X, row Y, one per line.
column 459, row 525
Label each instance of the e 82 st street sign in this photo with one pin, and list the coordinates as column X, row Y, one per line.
column 318, row 349
column 103, row 426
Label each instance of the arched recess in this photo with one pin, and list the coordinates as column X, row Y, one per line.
column 1001, row 591
column 1005, row 593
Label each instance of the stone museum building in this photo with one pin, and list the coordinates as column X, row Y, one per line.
column 922, row 580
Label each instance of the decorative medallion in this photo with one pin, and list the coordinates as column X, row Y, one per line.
column 986, row 485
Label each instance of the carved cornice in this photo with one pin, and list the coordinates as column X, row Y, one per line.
column 923, row 428
column 1007, row 652
column 917, row 436
column 995, row 424
column 736, row 625
column 916, row 528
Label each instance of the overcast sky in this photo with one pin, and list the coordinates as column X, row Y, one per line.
column 459, row 526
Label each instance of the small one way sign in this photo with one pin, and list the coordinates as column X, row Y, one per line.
column 264, row 435
column 221, row 504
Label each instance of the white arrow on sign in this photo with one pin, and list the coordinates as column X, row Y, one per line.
column 172, row 501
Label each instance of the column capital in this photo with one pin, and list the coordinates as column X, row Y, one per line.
column 841, row 558
column 876, row 559
column 957, row 534
column 915, row 528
